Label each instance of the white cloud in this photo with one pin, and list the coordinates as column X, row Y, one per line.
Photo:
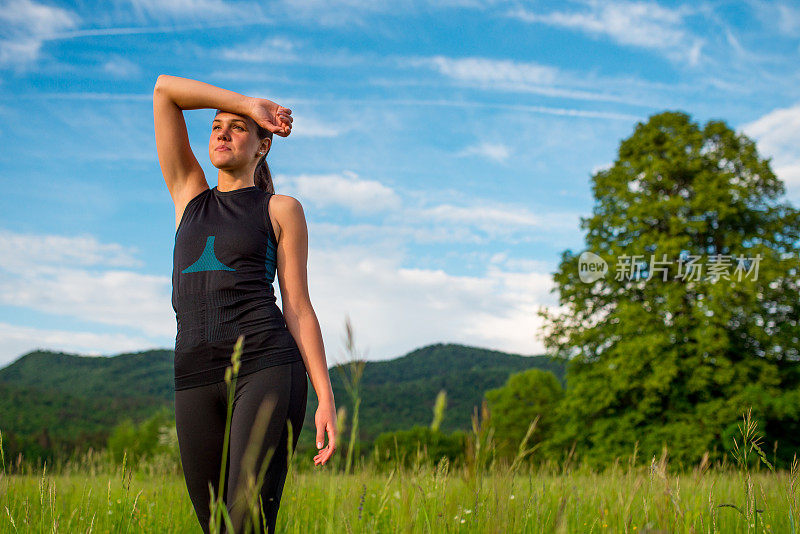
column 491, row 70
column 499, row 220
column 270, row 50
column 785, row 15
column 402, row 221
column 80, row 278
column 395, row 309
column 640, row 24
column 26, row 25
column 346, row 190
column 776, row 135
column 493, row 151
column 306, row 126
column 120, row 67
column 185, row 8
column 23, row 252
column 507, row 75
column 602, row 167
column 19, row 340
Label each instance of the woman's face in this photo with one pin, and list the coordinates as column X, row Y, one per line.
column 233, row 142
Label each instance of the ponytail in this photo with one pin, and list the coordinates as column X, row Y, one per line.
column 262, row 177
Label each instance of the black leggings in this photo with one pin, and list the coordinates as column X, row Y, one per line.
column 200, row 415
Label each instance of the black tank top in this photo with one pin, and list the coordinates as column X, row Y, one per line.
column 224, row 264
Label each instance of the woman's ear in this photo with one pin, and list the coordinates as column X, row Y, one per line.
column 265, row 145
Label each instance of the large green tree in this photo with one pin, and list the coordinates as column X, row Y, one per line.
column 696, row 318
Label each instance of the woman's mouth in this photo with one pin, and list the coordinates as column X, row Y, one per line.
column 220, row 148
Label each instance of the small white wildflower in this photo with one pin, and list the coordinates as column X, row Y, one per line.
column 463, row 520
column 467, row 511
column 512, row 496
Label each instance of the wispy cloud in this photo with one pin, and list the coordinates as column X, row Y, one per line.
column 72, row 277
column 193, row 9
column 82, row 278
column 26, row 25
column 777, row 133
column 346, row 190
column 640, row 24
column 138, row 30
column 780, row 14
column 374, row 287
column 88, row 95
column 788, row 19
column 491, row 70
column 277, row 49
column 19, row 340
column 417, row 217
column 507, row 75
column 121, row 67
column 308, row 126
column 493, row 151
column 23, row 252
column 270, row 50
column 328, row 131
column 500, row 221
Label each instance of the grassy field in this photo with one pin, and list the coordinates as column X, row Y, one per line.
column 349, row 494
column 95, row 496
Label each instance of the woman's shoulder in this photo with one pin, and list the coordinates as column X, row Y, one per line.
column 287, row 211
column 285, row 204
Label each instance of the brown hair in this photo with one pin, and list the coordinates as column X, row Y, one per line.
column 262, row 178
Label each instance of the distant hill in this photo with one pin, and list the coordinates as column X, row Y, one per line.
column 71, row 396
column 400, row 393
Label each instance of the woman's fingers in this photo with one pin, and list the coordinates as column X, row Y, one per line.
column 323, row 457
column 325, row 454
column 285, row 122
column 331, row 438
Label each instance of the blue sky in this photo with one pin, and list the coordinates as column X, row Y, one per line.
column 442, row 151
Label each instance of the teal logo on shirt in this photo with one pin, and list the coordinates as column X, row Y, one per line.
column 207, row 261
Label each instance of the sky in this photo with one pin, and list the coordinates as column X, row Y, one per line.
column 442, row 150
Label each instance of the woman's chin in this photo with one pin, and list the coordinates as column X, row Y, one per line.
column 221, row 160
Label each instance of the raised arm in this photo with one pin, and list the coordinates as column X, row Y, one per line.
column 171, row 95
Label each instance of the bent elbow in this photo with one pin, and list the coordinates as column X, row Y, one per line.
column 160, row 82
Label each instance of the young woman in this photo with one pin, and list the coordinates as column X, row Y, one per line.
column 230, row 242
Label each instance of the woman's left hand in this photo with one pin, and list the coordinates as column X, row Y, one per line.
column 325, row 420
column 267, row 114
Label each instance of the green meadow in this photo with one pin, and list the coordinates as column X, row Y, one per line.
column 97, row 495
column 480, row 492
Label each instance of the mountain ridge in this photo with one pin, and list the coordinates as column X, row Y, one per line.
column 89, row 392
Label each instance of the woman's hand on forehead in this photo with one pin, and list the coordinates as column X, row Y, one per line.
column 271, row 116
